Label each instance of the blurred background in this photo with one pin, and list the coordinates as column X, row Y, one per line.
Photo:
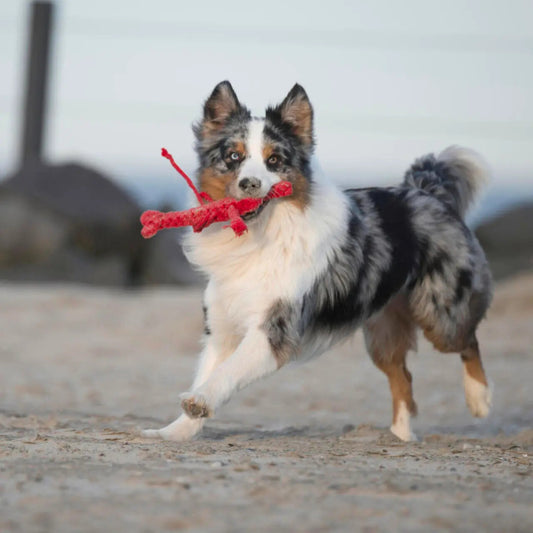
column 84, row 113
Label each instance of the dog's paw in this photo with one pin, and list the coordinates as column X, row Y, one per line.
column 151, row 433
column 195, row 405
column 478, row 397
column 401, row 426
column 182, row 429
column 175, row 434
column 403, row 433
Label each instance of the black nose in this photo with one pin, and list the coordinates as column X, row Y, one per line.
column 249, row 185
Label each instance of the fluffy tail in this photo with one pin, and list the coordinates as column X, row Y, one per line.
column 454, row 177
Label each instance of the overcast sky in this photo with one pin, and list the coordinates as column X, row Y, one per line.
column 389, row 80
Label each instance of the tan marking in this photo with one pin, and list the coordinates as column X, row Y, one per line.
column 473, row 366
column 240, row 147
column 300, row 185
column 216, row 185
column 300, row 191
column 400, row 382
column 196, row 408
column 268, row 150
column 390, row 335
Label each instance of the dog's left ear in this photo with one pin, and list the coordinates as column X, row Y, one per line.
column 221, row 105
column 296, row 111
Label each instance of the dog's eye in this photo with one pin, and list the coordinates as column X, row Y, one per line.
column 235, row 156
column 273, row 160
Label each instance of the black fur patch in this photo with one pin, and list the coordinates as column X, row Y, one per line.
column 464, row 284
column 435, row 265
column 331, row 305
column 396, row 225
column 358, row 281
column 333, row 302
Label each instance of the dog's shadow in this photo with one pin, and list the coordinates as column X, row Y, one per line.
column 217, row 433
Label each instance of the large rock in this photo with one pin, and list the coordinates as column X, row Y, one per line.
column 70, row 223
column 508, row 241
column 31, row 232
column 76, row 191
column 165, row 262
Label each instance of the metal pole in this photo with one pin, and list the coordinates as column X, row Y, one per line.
column 36, row 82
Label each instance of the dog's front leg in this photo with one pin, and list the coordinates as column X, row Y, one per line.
column 253, row 359
column 184, row 427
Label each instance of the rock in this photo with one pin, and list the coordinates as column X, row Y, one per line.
column 30, row 231
column 76, row 191
column 165, row 262
column 68, row 222
column 38, row 243
column 508, row 241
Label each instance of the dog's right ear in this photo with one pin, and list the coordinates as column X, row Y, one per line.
column 295, row 112
column 222, row 103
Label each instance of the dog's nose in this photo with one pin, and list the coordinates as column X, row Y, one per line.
column 250, row 185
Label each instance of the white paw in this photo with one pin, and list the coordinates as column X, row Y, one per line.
column 403, row 433
column 401, row 426
column 151, row 433
column 478, row 397
column 195, row 405
column 182, row 429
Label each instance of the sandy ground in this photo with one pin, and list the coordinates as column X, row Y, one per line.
column 305, row 450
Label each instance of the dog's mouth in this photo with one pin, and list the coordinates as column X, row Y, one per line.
column 256, row 212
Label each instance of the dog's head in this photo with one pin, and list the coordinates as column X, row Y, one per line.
column 242, row 156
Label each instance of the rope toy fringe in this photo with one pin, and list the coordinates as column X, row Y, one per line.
column 209, row 210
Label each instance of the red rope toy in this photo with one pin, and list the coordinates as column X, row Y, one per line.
column 209, row 211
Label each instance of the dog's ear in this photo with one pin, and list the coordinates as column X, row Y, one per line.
column 222, row 103
column 296, row 111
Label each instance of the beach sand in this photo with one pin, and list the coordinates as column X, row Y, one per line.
column 308, row 449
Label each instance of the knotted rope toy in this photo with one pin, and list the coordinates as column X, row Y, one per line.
column 209, row 211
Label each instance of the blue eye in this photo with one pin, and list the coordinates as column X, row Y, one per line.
column 235, row 156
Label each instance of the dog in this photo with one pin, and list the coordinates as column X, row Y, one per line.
column 316, row 265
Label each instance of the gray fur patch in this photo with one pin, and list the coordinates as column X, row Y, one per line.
column 343, row 294
column 453, row 177
column 281, row 330
column 453, row 288
column 401, row 239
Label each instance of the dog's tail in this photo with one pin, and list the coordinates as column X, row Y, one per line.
column 455, row 176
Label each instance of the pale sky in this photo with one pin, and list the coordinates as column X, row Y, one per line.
column 389, row 80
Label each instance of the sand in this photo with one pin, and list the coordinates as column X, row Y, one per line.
column 81, row 370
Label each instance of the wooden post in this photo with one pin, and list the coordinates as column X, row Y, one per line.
column 36, row 82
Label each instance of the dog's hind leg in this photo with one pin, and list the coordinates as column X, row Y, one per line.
column 450, row 335
column 477, row 391
column 389, row 335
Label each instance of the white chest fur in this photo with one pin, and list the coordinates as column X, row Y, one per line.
column 279, row 258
